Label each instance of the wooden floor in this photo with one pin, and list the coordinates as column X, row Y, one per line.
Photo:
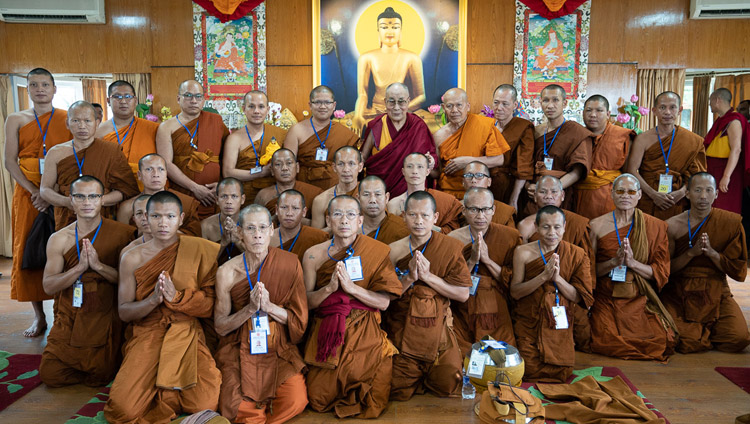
column 686, row 390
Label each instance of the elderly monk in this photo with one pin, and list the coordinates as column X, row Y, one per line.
column 518, row 165
column 85, row 155
column 593, row 195
column 347, row 163
column 477, row 174
column 140, row 218
column 549, row 277
column 724, row 143
column 393, row 135
column 245, row 147
column 166, row 285
column 83, row 345
column 378, row 223
column 192, row 150
column 316, row 141
column 261, row 314
column 28, row 135
column 632, row 262
column 135, row 136
column 152, row 176
column 433, row 274
column 486, row 312
column 707, row 245
column 349, row 281
column 561, row 149
column 467, row 137
column 284, row 169
column 663, row 158
column 222, row 227
column 415, row 169
column 292, row 235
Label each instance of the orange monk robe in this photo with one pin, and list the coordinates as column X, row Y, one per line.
column 392, row 228
column 321, row 173
column 419, row 325
column 191, row 224
column 201, row 165
column 308, row 237
column 487, row 311
column 503, row 215
column 167, row 350
column 246, row 160
column 688, row 157
column 698, row 296
column 477, row 137
column 26, row 284
column 247, row 380
column 593, row 196
column 519, row 160
column 308, row 190
column 83, row 345
column 449, row 209
column 548, row 352
column 102, row 160
column 135, row 142
column 623, row 326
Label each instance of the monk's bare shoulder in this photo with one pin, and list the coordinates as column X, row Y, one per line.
column 169, row 126
column 399, row 248
column 526, row 227
column 395, row 205
column 600, row 224
column 228, row 273
column 526, row 251
column 645, row 139
column 316, row 255
column 265, row 195
column 105, row 128
column 63, row 239
column 460, row 234
column 677, row 225
column 134, row 257
column 442, row 134
column 321, row 200
column 210, row 228
column 16, row 120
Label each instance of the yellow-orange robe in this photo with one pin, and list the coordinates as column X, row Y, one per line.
column 392, row 228
column 308, row 190
column 321, row 173
column 519, row 160
column 246, row 160
column 139, row 142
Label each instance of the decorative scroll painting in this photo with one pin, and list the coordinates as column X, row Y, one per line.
column 551, row 52
column 230, row 60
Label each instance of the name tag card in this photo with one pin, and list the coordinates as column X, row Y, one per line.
column 258, row 342
column 561, row 317
column 548, row 162
column 321, row 154
column 256, row 170
column 665, row 183
column 41, row 166
column 618, row 273
column 260, row 322
column 77, row 294
column 474, row 284
column 476, row 364
column 354, row 268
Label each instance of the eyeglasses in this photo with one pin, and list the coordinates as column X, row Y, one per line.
column 191, row 96
column 254, row 229
column 349, row 215
column 474, row 210
column 621, row 191
column 319, row 103
column 126, row 97
column 80, row 198
column 477, row 175
column 399, row 102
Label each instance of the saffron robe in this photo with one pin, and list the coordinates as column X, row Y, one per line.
column 392, row 228
column 139, row 142
column 449, row 210
column 246, row 160
column 308, row 238
column 321, row 173
column 191, row 224
column 732, row 199
column 308, row 190
column 519, row 160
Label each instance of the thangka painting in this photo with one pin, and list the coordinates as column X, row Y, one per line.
column 230, row 60
column 551, row 52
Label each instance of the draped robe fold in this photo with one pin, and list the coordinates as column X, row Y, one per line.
column 321, row 173
column 519, row 160
column 246, row 160
column 308, row 238
column 139, row 142
column 392, row 228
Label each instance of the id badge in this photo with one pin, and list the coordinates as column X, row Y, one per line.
column 548, row 162
column 41, row 166
column 561, row 317
column 258, row 342
column 321, row 154
column 260, row 322
column 476, row 364
column 77, row 294
column 618, row 273
column 474, row 284
column 256, row 170
column 665, row 183
column 354, row 268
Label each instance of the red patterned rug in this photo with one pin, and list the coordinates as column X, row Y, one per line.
column 737, row 375
column 19, row 374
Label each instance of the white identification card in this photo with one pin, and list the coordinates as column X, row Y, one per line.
column 495, row 344
column 321, row 154
column 474, row 284
column 256, row 170
column 41, row 166
column 260, row 322
column 561, row 317
column 548, row 162
column 354, row 268
column 258, row 342
column 77, row 294
column 618, row 273
column 665, row 183
column 476, row 364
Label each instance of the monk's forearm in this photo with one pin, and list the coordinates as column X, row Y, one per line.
column 278, row 313
column 370, row 298
column 106, row 271
column 572, row 177
column 56, row 283
column 315, row 298
column 567, row 290
column 734, row 157
column 603, row 268
column 54, row 198
column 495, row 269
column 133, row 311
column 521, row 290
column 174, row 174
column 112, row 198
column 241, row 174
column 516, row 193
column 716, row 260
column 492, row 161
column 226, row 324
column 680, row 262
column 644, row 270
column 460, row 294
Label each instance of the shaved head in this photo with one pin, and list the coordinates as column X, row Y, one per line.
column 255, row 92
column 667, row 94
column 163, row 197
column 723, row 94
column 321, row 89
column 341, row 198
column 549, row 178
column 420, row 195
column 702, row 175
column 597, row 98
column 507, row 87
column 187, row 85
column 350, row 149
column 41, row 71
column 230, row 181
column 555, row 87
column 630, row 177
column 455, row 94
column 120, row 83
column 81, row 104
column 415, row 155
column 147, row 158
column 253, row 208
column 470, row 194
column 397, row 87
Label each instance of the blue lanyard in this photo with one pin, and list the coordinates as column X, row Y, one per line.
column 281, row 243
column 192, row 136
column 257, row 159
column 231, row 246
column 690, row 236
column 665, row 155
column 247, row 273
column 125, row 137
column 349, row 251
column 44, row 133
column 78, row 248
column 546, row 148
column 376, row 232
column 322, row 142
column 80, row 164
column 557, row 292
column 476, row 265
column 423, row 248
column 617, row 230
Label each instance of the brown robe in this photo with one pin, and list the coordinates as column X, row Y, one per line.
column 103, row 160
column 321, row 173
column 246, row 160
column 137, row 141
column 548, row 352
column 357, row 380
column 308, row 237
column 419, row 323
column 519, row 160
column 487, row 311
column 167, row 350
column 688, row 157
column 392, row 228
column 255, row 378
column 503, row 215
column 449, row 209
column 698, row 296
column 83, row 345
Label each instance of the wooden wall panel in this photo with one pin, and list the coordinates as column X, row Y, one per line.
column 290, row 86
column 490, row 31
column 616, row 82
column 289, row 32
column 172, row 33
column 481, row 80
column 164, row 83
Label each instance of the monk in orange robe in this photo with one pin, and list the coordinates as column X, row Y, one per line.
column 28, row 136
column 222, row 227
column 707, row 245
column 509, row 179
column 664, row 158
column 292, row 235
column 433, row 275
column 466, row 138
column 476, row 174
column 140, row 218
column 378, row 223
column 165, row 285
column 135, row 136
column 593, row 195
column 486, row 312
column 85, row 155
column 349, row 281
column 190, row 143
column 83, row 345
column 347, row 165
column 550, row 275
column 632, row 262
column 316, row 140
column 260, row 314
column 284, row 169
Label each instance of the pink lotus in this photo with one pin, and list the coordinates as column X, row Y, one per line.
column 150, row 97
column 643, row 110
column 623, row 118
column 633, row 98
column 152, row 117
column 434, row 109
column 338, row 114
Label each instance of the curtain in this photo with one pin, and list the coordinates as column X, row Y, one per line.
column 651, row 83
column 739, row 85
column 6, row 183
column 95, row 91
column 141, row 82
column 701, row 91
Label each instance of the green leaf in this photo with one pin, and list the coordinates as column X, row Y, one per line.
column 534, row 391
column 96, row 400
column 12, row 387
column 3, row 374
column 595, row 372
column 32, row 373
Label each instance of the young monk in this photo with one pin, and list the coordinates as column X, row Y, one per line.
column 222, row 227
column 378, row 223
column 292, row 235
column 347, row 162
